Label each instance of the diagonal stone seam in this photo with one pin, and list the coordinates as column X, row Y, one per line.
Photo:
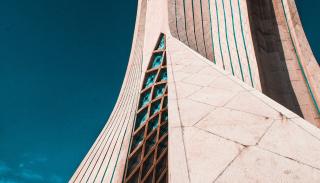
column 231, row 99
column 211, row 64
column 187, row 97
column 222, row 106
column 266, row 131
column 300, row 162
column 199, row 72
column 208, row 113
column 208, row 85
column 243, row 147
column 203, row 59
column 231, row 162
column 227, row 74
column 295, row 123
column 271, row 106
column 275, row 118
column 281, row 117
column 219, row 136
column 257, row 145
column 246, row 147
column 182, row 133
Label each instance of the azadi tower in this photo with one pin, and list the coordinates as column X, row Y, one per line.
column 215, row 91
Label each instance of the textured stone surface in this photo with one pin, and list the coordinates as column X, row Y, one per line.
column 289, row 140
column 238, row 126
column 213, row 96
column 249, row 103
column 202, row 159
column 233, row 133
column 280, row 44
column 259, row 46
column 221, row 127
column 198, row 111
column 255, row 165
column 177, row 163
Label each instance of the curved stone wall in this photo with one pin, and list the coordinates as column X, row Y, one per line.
column 219, row 30
column 215, row 57
column 105, row 160
column 260, row 42
column 309, row 64
column 288, row 70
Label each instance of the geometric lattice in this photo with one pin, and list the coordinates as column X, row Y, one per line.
column 147, row 160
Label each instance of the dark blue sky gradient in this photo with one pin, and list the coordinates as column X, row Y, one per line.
column 309, row 15
column 62, row 63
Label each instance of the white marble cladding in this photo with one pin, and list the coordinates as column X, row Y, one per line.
column 223, row 130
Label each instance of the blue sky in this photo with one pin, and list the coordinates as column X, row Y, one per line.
column 309, row 15
column 60, row 79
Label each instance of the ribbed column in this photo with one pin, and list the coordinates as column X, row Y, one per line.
column 106, row 159
column 218, row 30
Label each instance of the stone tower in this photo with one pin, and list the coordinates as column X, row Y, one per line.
column 215, row 91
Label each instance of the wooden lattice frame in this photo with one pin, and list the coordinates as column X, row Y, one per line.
column 147, row 161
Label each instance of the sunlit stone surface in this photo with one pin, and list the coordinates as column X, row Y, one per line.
column 215, row 91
